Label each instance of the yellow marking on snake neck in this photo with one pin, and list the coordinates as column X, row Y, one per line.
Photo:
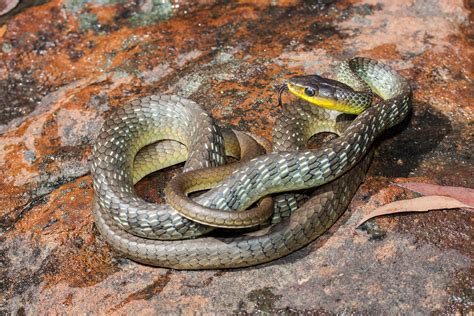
column 327, row 103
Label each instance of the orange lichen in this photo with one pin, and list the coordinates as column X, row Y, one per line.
column 384, row 51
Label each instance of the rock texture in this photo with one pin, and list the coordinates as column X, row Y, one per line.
column 64, row 65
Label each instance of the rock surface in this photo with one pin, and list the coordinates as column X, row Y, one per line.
column 64, row 65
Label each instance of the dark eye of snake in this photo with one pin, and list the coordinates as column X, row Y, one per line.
column 309, row 92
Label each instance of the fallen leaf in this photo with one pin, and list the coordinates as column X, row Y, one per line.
column 464, row 195
column 7, row 5
column 421, row 204
column 3, row 30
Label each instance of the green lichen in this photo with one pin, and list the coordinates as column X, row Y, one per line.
column 152, row 12
column 75, row 6
column 7, row 47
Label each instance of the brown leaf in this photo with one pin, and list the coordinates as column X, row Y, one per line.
column 7, row 5
column 421, row 204
column 464, row 195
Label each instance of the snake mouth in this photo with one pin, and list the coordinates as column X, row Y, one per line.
column 281, row 89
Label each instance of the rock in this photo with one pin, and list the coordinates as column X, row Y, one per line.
column 65, row 65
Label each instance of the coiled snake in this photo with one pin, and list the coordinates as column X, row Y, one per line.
column 157, row 131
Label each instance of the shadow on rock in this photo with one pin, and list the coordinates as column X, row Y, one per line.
column 402, row 148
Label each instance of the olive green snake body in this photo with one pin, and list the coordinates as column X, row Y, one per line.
column 149, row 233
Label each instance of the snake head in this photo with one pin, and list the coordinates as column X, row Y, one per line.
column 327, row 93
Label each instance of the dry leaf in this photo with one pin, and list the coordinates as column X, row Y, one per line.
column 421, row 204
column 464, row 195
column 3, row 29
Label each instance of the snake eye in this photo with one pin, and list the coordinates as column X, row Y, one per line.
column 309, row 92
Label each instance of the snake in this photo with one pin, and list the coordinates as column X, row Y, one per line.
column 157, row 131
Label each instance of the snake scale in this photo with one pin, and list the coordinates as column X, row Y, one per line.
column 157, row 234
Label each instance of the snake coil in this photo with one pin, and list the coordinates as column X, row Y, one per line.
column 158, row 131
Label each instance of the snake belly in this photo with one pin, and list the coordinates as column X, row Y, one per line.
column 129, row 224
